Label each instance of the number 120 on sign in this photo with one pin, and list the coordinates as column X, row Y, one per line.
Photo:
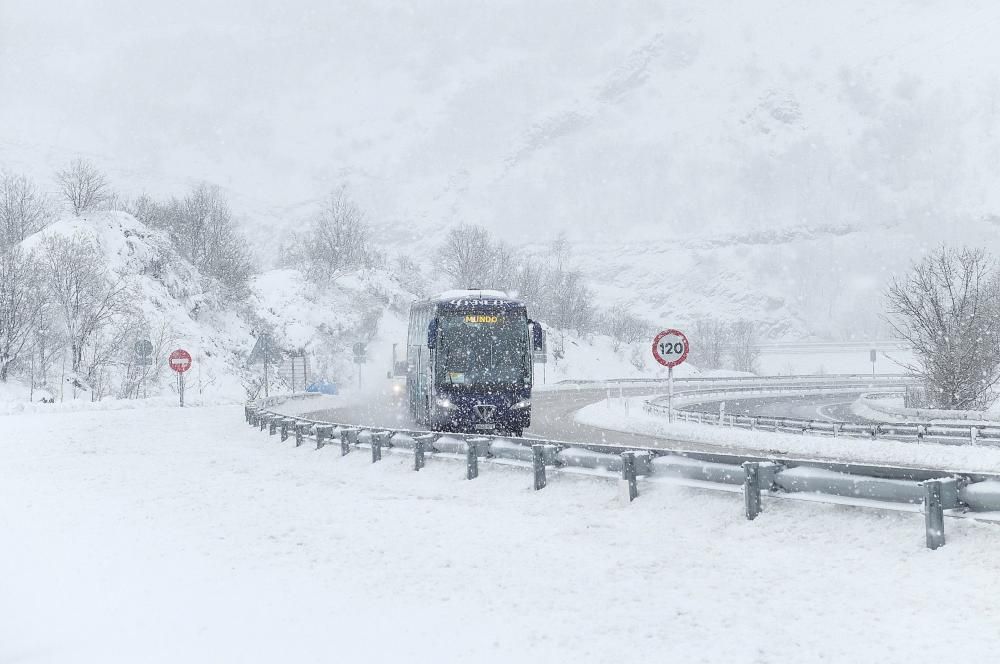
column 670, row 348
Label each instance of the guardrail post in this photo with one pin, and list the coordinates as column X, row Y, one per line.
column 471, row 460
column 348, row 437
column 262, row 420
column 419, row 444
column 538, row 465
column 836, row 429
column 377, row 446
column 933, row 514
column 322, row 432
column 300, row 433
column 753, row 424
column 272, row 425
column 751, row 489
column 629, row 484
column 973, row 434
column 284, row 430
column 246, row 413
column 921, row 431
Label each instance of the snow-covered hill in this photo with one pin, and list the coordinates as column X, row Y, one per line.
column 321, row 320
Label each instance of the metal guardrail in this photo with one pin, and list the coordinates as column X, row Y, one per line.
column 867, row 379
column 942, row 493
column 945, row 434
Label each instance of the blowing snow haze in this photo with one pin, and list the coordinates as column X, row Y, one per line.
column 695, row 143
column 686, row 312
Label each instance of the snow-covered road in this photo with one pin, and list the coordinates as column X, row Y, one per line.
column 163, row 536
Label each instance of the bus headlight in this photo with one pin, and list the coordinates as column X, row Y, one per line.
column 523, row 403
column 445, row 403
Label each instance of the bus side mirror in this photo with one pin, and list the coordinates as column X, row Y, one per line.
column 432, row 334
column 537, row 337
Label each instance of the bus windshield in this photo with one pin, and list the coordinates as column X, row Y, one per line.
column 482, row 348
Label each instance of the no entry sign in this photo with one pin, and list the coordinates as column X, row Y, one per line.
column 670, row 348
column 180, row 360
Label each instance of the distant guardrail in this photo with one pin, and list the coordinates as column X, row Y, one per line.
column 945, row 434
column 863, row 379
column 942, row 493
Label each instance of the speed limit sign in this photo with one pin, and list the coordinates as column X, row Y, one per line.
column 670, row 348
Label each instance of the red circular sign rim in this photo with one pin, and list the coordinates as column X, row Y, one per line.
column 656, row 353
column 179, row 354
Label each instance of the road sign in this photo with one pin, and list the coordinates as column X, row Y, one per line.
column 142, row 352
column 180, row 360
column 262, row 352
column 360, row 356
column 670, row 348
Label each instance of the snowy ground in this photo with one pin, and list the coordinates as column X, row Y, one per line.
column 160, row 536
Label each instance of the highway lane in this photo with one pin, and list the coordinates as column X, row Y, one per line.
column 828, row 407
column 552, row 419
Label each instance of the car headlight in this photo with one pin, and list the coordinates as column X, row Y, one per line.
column 523, row 403
column 444, row 403
column 397, row 388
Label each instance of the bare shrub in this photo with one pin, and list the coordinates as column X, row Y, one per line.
column 623, row 327
column 744, row 348
column 709, row 340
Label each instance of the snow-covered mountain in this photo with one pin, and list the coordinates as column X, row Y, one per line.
column 773, row 161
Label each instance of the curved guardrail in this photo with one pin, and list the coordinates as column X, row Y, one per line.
column 945, row 434
column 942, row 493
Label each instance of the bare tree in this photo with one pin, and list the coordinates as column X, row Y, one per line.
column 410, row 275
column 202, row 228
column 623, row 327
column 948, row 309
column 83, row 186
column 20, row 305
column 339, row 238
column 709, row 340
column 85, row 296
column 467, row 257
column 23, row 209
column 744, row 349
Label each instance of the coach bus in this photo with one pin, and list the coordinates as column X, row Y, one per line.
column 469, row 362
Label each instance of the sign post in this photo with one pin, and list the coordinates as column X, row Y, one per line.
column 262, row 352
column 670, row 348
column 873, row 356
column 180, row 361
column 360, row 357
column 143, row 356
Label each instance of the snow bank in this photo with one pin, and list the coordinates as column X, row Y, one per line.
column 892, row 410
